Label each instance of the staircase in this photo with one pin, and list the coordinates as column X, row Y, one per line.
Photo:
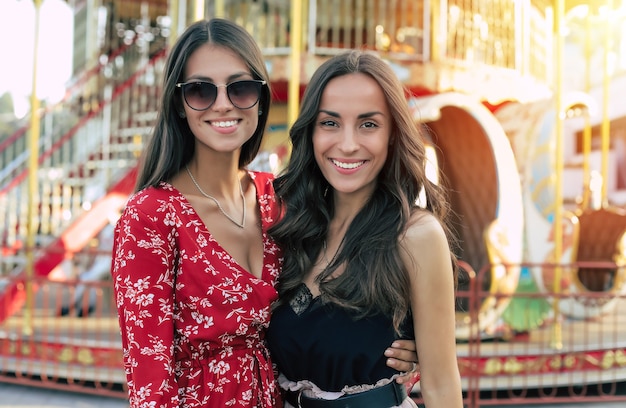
column 88, row 151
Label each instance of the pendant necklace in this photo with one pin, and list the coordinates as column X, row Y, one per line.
column 243, row 197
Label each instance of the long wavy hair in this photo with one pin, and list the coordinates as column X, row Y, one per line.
column 375, row 279
column 172, row 144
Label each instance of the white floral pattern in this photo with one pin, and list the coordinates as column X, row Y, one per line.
column 192, row 320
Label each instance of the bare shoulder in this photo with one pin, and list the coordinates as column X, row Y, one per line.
column 424, row 244
column 424, row 228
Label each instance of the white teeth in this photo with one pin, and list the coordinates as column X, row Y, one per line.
column 224, row 124
column 347, row 165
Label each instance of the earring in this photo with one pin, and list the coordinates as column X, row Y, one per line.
column 181, row 114
column 260, row 112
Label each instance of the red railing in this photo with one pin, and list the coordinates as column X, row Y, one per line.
column 93, row 162
column 72, row 88
column 81, row 157
column 70, row 340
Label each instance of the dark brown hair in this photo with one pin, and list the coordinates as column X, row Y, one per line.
column 375, row 279
column 172, row 143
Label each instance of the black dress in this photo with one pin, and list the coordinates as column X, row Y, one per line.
column 324, row 344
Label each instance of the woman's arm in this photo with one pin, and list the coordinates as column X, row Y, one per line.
column 426, row 254
column 142, row 270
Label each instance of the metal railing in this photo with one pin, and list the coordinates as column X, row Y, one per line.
column 497, row 33
column 86, row 145
column 74, row 344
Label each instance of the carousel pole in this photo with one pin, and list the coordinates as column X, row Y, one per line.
column 173, row 8
column 219, row 8
column 606, row 121
column 199, row 11
column 586, row 142
column 33, row 188
column 436, row 35
column 557, row 337
column 295, row 40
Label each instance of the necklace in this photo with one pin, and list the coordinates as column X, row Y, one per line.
column 243, row 197
column 324, row 254
column 324, row 247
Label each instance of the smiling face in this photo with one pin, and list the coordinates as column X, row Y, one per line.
column 222, row 127
column 351, row 134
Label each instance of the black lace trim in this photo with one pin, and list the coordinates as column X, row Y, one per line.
column 301, row 300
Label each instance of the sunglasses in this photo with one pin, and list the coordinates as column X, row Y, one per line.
column 201, row 95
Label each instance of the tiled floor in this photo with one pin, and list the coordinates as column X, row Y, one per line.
column 17, row 396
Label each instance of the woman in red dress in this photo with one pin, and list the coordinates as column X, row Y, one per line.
column 193, row 266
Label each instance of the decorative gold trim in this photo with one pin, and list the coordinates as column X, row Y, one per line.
column 542, row 364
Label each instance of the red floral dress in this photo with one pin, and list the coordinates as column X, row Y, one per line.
column 192, row 320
